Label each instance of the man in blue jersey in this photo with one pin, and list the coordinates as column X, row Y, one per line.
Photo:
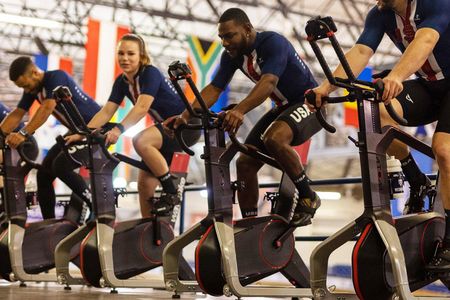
column 421, row 31
column 38, row 85
column 269, row 60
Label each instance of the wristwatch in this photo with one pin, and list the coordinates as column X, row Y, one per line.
column 120, row 127
column 24, row 133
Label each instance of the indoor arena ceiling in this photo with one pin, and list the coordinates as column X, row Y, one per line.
column 61, row 24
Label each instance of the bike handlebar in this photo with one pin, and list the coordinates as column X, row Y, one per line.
column 320, row 28
column 63, row 96
column 21, row 150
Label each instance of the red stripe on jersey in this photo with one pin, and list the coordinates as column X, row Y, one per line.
column 251, row 70
column 408, row 31
column 252, row 73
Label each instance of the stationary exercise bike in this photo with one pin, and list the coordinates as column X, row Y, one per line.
column 27, row 249
column 389, row 258
column 233, row 254
column 112, row 253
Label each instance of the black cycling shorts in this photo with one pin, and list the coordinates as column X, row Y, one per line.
column 301, row 120
column 424, row 102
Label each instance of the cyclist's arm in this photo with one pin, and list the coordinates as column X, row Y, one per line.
column 12, row 120
column 104, row 115
column 138, row 111
column 416, row 54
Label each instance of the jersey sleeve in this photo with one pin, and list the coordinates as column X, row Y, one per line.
column 26, row 101
column 373, row 30
column 274, row 52
column 117, row 94
column 151, row 81
column 53, row 80
column 225, row 73
column 4, row 111
column 437, row 15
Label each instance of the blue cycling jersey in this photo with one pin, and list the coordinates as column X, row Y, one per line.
column 433, row 14
column 4, row 111
column 85, row 104
column 271, row 54
column 149, row 81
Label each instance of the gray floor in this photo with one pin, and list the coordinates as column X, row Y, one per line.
column 53, row 291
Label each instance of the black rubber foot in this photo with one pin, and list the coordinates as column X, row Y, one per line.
column 176, row 296
column 67, row 288
column 114, row 291
column 23, row 284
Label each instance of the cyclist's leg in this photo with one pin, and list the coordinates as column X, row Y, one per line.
column 415, row 104
column 441, row 148
column 294, row 127
column 156, row 150
column 247, row 167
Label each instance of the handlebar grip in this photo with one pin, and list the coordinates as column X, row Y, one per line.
column 25, row 158
column 379, row 87
column 179, row 137
column 311, row 98
column 235, row 141
column 400, row 120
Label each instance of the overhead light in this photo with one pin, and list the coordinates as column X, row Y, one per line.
column 119, row 182
column 329, row 195
column 29, row 21
column 204, row 193
column 133, row 185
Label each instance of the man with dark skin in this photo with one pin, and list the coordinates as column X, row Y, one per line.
column 269, row 60
column 421, row 31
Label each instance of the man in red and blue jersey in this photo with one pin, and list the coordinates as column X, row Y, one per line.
column 269, row 60
column 421, row 31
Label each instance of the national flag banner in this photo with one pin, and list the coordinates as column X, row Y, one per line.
column 203, row 59
column 51, row 62
column 100, row 67
column 350, row 108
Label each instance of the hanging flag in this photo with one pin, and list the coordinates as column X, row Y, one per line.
column 53, row 62
column 203, row 59
column 350, row 108
column 100, row 67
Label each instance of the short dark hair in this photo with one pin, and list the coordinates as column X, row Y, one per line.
column 235, row 14
column 18, row 67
